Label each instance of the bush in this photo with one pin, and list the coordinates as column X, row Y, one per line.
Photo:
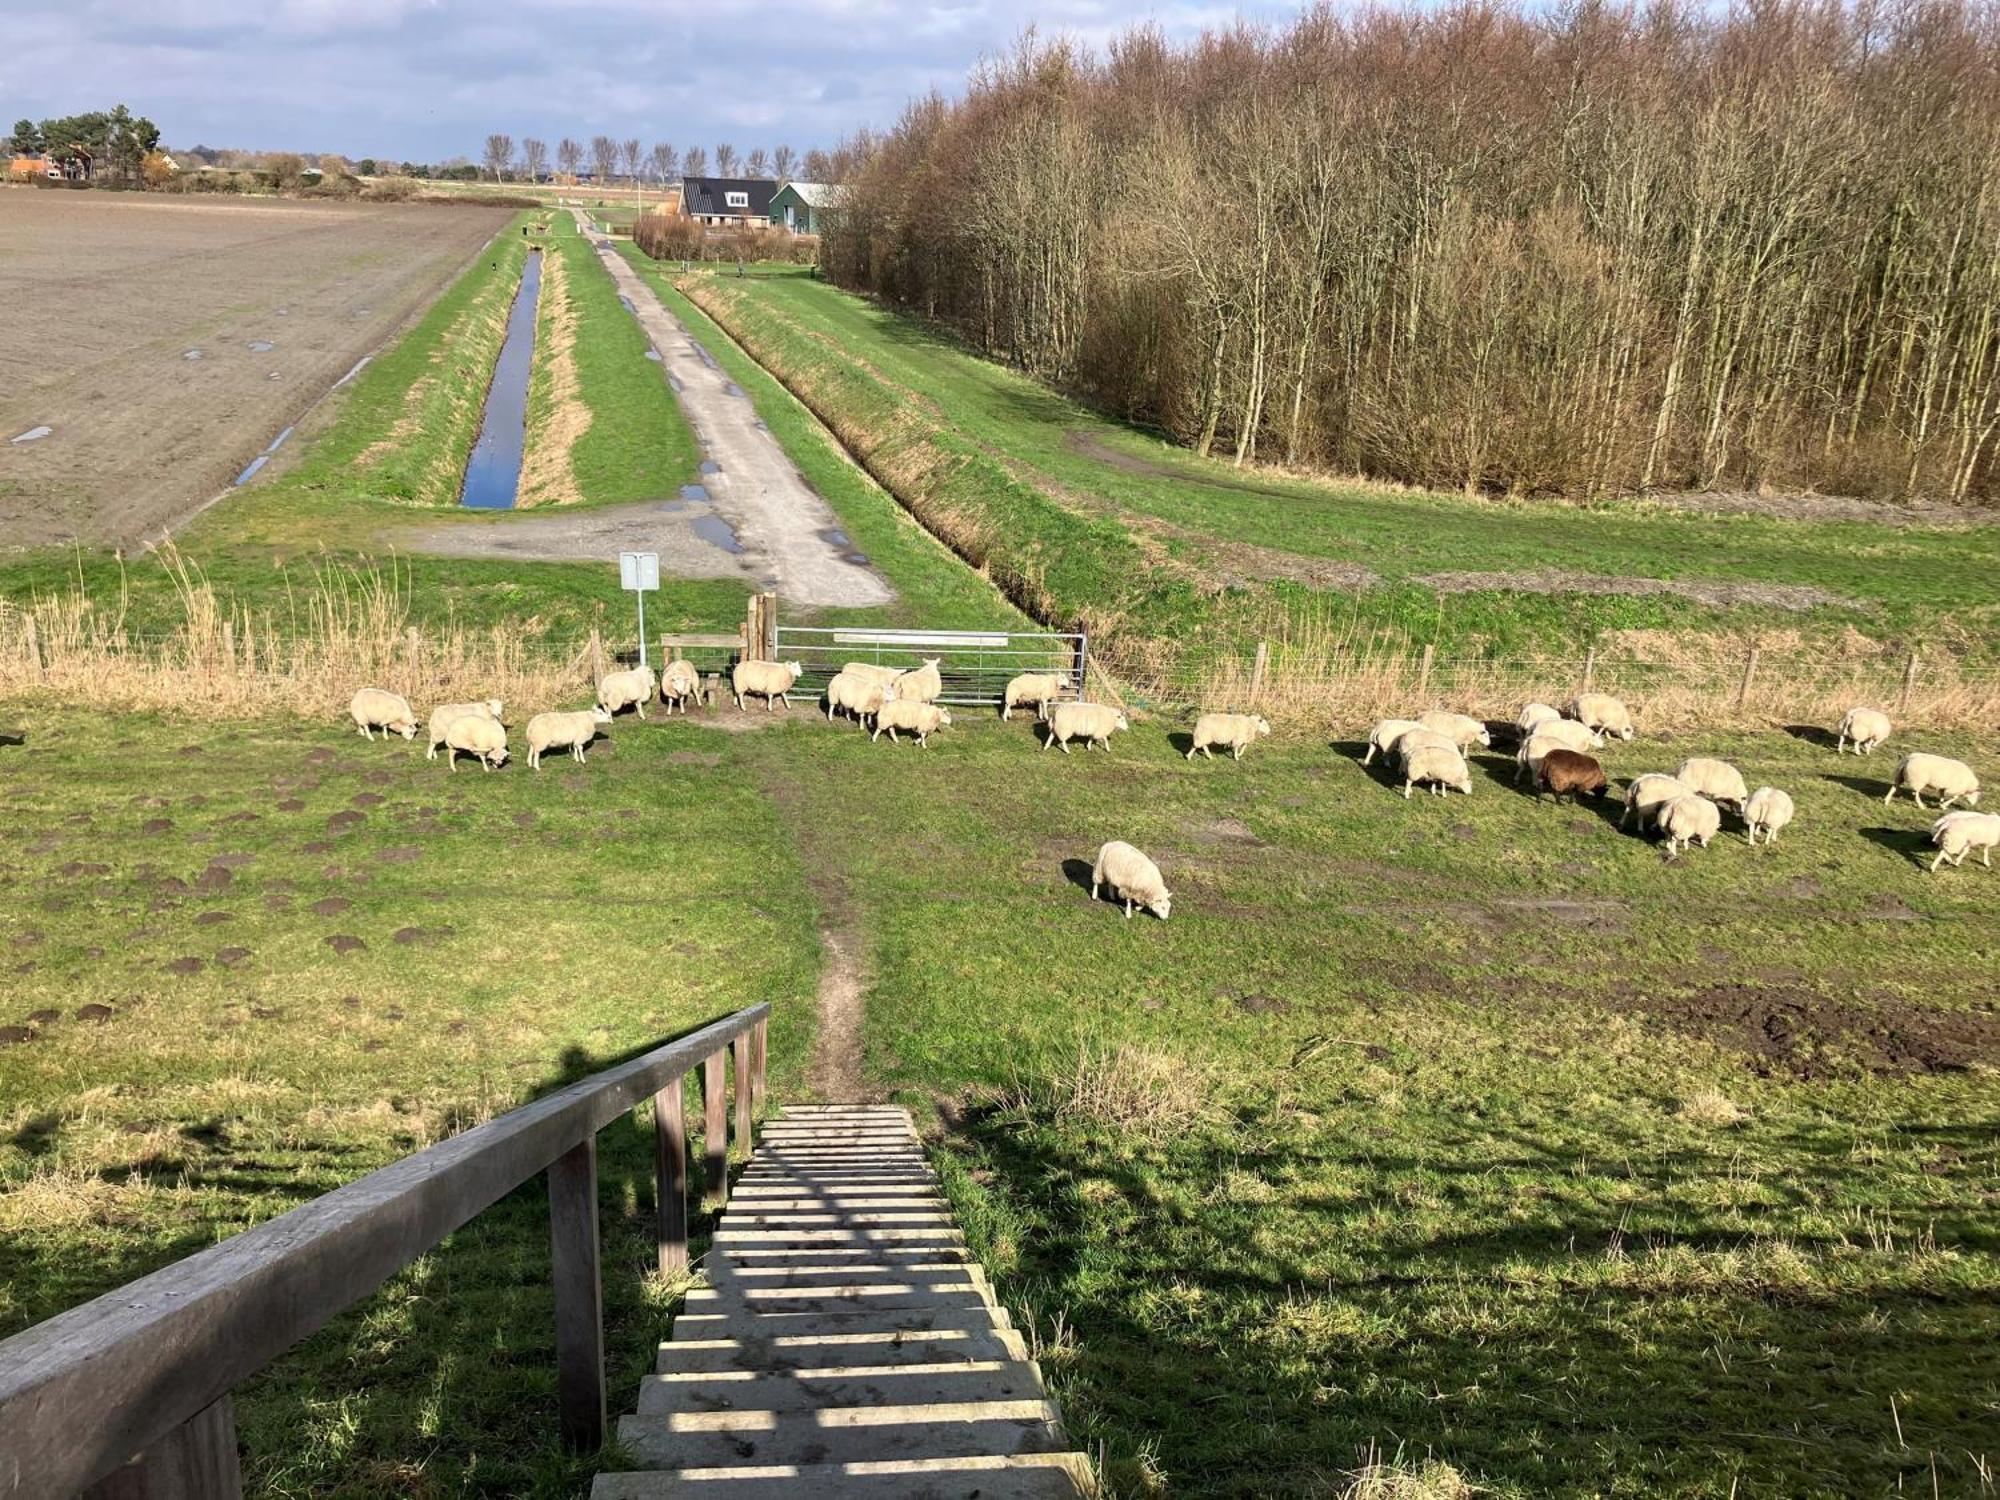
column 393, row 189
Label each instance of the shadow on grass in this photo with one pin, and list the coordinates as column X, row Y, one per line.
column 1812, row 734
column 1873, row 786
column 1913, row 844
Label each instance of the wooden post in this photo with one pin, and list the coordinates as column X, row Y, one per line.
column 715, row 1123
column 596, row 656
column 742, row 1050
column 196, row 1461
column 1909, row 684
column 1257, row 667
column 1749, row 676
column 578, row 1283
column 1589, row 666
column 670, row 1171
column 760, row 1040
column 1424, row 671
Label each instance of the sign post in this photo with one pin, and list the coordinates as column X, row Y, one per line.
column 639, row 573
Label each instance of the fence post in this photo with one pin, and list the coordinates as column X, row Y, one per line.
column 760, row 1041
column 579, row 1292
column 742, row 1050
column 1749, row 676
column 34, row 641
column 1082, row 667
column 1257, row 666
column 715, row 1129
column 196, row 1461
column 1589, row 667
column 1909, row 684
column 670, row 1172
column 596, row 656
column 1424, row 671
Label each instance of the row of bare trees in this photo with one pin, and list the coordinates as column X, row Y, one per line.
column 661, row 163
column 1581, row 248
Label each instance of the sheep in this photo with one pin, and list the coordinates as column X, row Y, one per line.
column 1687, row 820
column 475, row 734
column 1462, row 731
column 1716, row 780
column 444, row 713
column 1568, row 773
column 861, row 696
column 1384, row 735
column 1234, row 732
column 1958, row 834
column 1602, row 714
column 1767, row 811
column 628, row 689
column 770, row 680
column 563, row 731
column 1093, row 723
column 1867, row 727
column 1558, row 734
column 1133, row 878
column 679, row 681
column 1647, row 793
column 870, row 671
column 1037, row 689
column 1533, row 717
column 1921, row 773
column 374, row 709
column 921, row 719
column 1420, row 739
column 1439, row 766
column 921, row 684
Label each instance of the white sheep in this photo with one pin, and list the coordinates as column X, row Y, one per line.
column 861, row 696
column 770, row 680
column 1602, row 714
column 444, row 713
column 569, row 732
column 1920, row 773
column 921, row 719
column 1093, row 723
column 1557, row 734
column 871, row 671
column 1134, row 879
column 1462, row 730
column 475, row 734
column 1533, row 717
column 679, row 681
column 1957, row 834
column 628, row 689
column 1034, row 689
column 1438, row 766
column 1716, row 780
column 373, row 709
column 1647, row 793
column 1420, row 739
column 1767, row 811
column 1382, row 738
column 921, row 684
column 1687, row 820
column 1867, row 727
column 1234, row 732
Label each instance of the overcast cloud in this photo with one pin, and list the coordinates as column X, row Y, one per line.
column 428, row 79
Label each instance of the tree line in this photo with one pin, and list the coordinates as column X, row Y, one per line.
column 102, row 143
column 636, row 162
column 1581, row 249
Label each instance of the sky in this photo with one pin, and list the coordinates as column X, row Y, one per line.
column 425, row 80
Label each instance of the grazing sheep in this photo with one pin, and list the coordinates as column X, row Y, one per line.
column 444, row 713
column 1716, row 780
column 861, row 696
column 1133, row 878
column 1867, row 727
column 871, row 671
column 475, row 734
column 1093, row 723
column 1035, row 689
column 1553, row 734
column 1420, row 739
column 1687, row 820
column 1767, row 811
column 921, row 719
column 1384, row 735
column 1566, row 773
column 1533, row 717
column 1602, row 714
column 1647, row 793
column 921, row 684
column 1921, row 773
column 569, row 732
column 1234, row 732
column 1958, row 834
column 679, row 681
column 628, row 689
column 374, row 709
column 1438, row 767
column 770, row 680
column 1464, row 732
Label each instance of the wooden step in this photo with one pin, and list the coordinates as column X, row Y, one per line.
column 841, row 1434
column 726, row 1276
column 812, row 1387
column 908, row 1320
column 752, row 1351
column 882, row 1296
column 727, row 1236
column 1011, row 1476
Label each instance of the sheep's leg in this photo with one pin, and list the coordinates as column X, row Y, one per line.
column 1370, row 755
column 451, row 757
column 1191, row 750
column 1237, row 753
column 1065, row 747
column 1406, row 790
column 1128, row 908
column 1938, row 861
column 1095, row 881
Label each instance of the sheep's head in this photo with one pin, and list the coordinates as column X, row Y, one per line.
column 1485, row 738
column 1119, row 721
column 498, row 755
column 1972, row 798
column 944, row 716
column 793, row 669
column 598, row 715
column 1261, row 725
column 932, row 661
column 406, row 729
column 493, row 707
column 1162, row 906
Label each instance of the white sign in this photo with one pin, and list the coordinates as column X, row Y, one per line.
column 639, row 572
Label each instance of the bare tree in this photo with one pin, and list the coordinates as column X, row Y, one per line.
column 725, row 160
column 664, row 161
column 757, row 164
column 631, row 152
column 819, row 166
column 569, row 156
column 782, row 161
column 534, row 158
column 499, row 154
column 603, row 159
column 695, row 163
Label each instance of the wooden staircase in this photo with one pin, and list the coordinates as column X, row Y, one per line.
column 846, row 1344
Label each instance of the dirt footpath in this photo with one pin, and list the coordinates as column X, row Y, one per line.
column 163, row 342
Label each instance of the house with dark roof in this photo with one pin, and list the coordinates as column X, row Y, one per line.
column 727, row 200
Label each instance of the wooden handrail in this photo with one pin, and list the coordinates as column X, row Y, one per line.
column 147, row 1369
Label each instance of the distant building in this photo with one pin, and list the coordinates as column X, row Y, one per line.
column 727, row 200
column 27, row 164
column 803, row 207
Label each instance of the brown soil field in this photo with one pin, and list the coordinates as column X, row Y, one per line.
column 107, row 297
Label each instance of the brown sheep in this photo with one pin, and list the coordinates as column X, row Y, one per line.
column 1569, row 773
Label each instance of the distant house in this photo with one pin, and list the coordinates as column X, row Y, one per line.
column 26, row 164
column 727, row 200
column 803, row 207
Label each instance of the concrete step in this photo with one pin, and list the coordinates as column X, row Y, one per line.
column 841, row 1434
column 838, row 1255
column 724, row 1276
column 727, row 1236
column 751, row 1351
column 889, row 1320
column 781, row 1200
column 760, row 1302
column 844, row 1385
column 1012, row 1476
column 858, row 1218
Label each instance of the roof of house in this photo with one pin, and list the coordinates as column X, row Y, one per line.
column 815, row 194
column 705, row 195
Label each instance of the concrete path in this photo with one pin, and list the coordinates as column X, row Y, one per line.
column 847, row 1345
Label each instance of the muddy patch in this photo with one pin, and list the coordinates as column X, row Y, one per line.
column 1721, row 593
column 329, row 906
column 422, row 937
column 185, row 965
column 229, row 958
column 1226, row 832
column 214, row 918
column 345, row 942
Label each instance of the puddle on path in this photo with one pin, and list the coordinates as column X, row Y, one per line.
column 627, row 303
column 33, row 435
column 493, row 473
column 260, row 346
column 675, row 506
column 695, row 492
column 654, row 356
column 710, row 466
column 675, row 382
column 359, row 365
column 717, row 532
column 192, row 354
column 859, row 559
column 279, row 441
column 836, row 536
column 731, row 388
column 250, row 473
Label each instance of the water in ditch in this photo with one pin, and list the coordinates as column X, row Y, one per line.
column 493, row 473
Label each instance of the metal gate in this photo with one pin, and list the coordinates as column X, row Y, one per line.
column 975, row 664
